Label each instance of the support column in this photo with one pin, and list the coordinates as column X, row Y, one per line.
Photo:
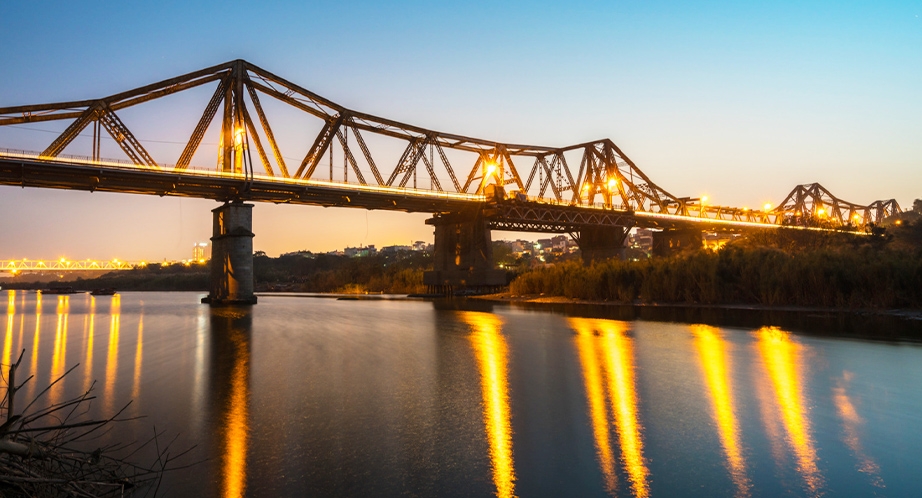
column 671, row 242
column 601, row 242
column 232, row 255
column 463, row 258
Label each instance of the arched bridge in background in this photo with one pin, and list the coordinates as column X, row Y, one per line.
column 347, row 158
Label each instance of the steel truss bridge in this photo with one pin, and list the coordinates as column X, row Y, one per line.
column 353, row 159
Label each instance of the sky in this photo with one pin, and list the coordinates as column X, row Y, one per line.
column 739, row 101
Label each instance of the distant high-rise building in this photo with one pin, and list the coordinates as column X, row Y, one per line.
column 198, row 252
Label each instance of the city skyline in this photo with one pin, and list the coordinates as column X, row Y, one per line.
column 736, row 102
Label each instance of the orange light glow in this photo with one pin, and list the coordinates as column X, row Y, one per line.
column 237, row 422
column 112, row 356
column 617, row 360
column 59, row 356
column 136, row 389
column 851, row 423
column 35, row 342
column 595, row 397
column 8, row 339
column 780, row 356
column 88, row 376
column 491, row 352
column 715, row 365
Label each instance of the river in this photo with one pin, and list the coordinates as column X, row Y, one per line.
column 305, row 396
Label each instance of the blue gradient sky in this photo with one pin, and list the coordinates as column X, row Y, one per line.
column 738, row 101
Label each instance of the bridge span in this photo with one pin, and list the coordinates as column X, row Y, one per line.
column 597, row 201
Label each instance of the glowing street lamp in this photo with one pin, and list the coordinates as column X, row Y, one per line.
column 238, row 136
column 767, row 206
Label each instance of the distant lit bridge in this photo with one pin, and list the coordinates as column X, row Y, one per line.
column 471, row 185
column 22, row 265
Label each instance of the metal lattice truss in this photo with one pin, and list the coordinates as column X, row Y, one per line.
column 20, row 265
column 812, row 204
column 378, row 152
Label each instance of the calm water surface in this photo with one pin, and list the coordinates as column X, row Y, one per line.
column 318, row 397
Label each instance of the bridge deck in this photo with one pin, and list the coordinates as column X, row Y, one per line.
column 24, row 170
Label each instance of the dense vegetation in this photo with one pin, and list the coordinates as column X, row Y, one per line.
column 796, row 268
column 400, row 273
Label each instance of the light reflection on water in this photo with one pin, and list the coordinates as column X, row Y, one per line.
column 781, row 359
column 715, row 365
column 614, row 350
column 352, row 398
column 492, row 352
column 852, row 423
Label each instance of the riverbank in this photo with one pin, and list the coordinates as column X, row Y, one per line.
column 506, row 297
column 865, row 324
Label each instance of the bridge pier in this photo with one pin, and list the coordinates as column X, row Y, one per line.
column 232, row 255
column 675, row 241
column 463, row 258
column 601, row 242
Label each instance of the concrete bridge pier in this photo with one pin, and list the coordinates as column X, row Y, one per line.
column 601, row 242
column 232, row 256
column 675, row 241
column 463, row 258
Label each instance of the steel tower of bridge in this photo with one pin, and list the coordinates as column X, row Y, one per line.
column 591, row 190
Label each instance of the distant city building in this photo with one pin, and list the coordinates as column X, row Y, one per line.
column 640, row 239
column 716, row 240
column 199, row 252
column 389, row 250
column 359, row 252
column 302, row 253
column 420, row 245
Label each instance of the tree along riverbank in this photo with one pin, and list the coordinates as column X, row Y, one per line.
column 771, row 268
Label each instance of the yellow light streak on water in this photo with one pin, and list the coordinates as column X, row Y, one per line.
column 35, row 343
column 112, row 357
column 492, row 353
column 8, row 339
column 618, row 361
column 595, row 397
column 238, row 416
column 715, row 366
column 136, row 389
column 781, row 358
column 59, row 355
column 851, row 424
column 88, row 363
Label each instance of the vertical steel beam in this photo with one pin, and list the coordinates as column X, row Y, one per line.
column 269, row 136
column 259, row 146
column 319, row 148
column 207, row 117
column 71, row 132
column 368, row 158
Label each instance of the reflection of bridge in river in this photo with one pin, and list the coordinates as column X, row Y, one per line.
column 474, row 185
